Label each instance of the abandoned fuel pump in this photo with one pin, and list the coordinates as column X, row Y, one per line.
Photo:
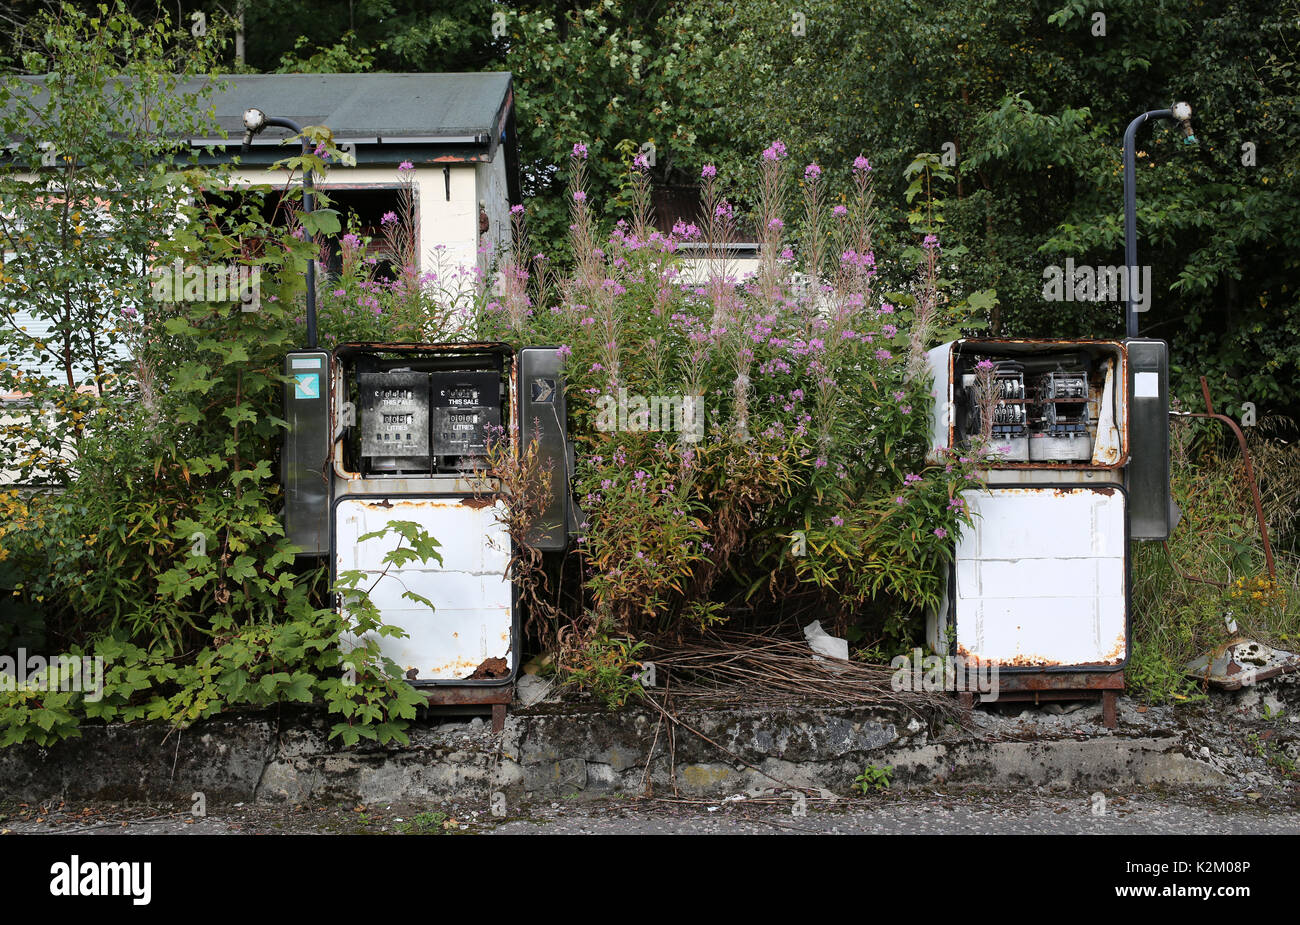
column 1078, row 438
column 1079, row 446
column 379, row 433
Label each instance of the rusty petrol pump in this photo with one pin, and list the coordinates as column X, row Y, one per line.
column 1078, row 442
column 398, row 432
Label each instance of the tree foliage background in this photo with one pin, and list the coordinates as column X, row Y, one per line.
column 1031, row 99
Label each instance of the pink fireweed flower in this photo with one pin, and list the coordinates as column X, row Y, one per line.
column 911, row 478
column 839, row 211
column 516, row 210
column 984, row 365
column 900, row 500
column 709, row 171
column 340, row 292
column 579, row 196
column 956, row 504
column 641, row 162
column 683, row 230
column 787, row 254
column 883, row 354
column 774, row 152
column 885, row 309
column 860, row 163
column 940, row 532
column 812, row 172
column 820, row 462
column 406, row 165
column 837, row 520
column 776, row 224
column 563, row 350
column 930, row 242
column 580, row 150
column 388, row 218
column 888, row 330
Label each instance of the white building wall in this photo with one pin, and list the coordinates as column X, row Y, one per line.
column 447, row 228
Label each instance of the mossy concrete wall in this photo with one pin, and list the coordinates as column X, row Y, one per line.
column 560, row 751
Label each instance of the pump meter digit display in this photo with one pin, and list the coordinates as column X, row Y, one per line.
column 465, row 405
column 394, row 414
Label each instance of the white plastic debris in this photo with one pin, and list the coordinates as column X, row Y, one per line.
column 824, row 643
column 1106, row 450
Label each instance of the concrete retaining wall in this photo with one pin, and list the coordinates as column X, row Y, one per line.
column 560, row 751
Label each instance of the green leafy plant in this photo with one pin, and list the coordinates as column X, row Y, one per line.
column 426, row 823
column 606, row 667
column 315, row 655
column 874, row 779
column 155, row 544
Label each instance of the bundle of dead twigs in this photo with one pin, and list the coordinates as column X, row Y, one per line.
column 729, row 668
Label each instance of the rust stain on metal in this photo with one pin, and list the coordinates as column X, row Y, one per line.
column 1009, row 684
column 1037, row 464
column 478, row 503
column 471, row 347
column 457, row 667
column 464, row 695
column 414, row 504
column 1114, row 657
column 1043, row 342
column 490, row 669
column 1117, row 653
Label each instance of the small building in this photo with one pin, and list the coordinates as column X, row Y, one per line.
column 456, row 130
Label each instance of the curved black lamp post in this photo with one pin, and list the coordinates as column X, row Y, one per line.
column 1182, row 113
column 254, row 121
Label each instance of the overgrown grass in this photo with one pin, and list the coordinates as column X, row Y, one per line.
column 1213, row 576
